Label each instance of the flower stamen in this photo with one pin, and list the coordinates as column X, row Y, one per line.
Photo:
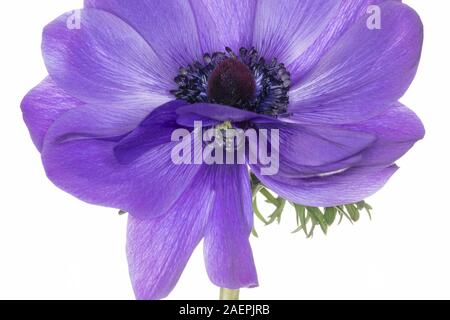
column 245, row 81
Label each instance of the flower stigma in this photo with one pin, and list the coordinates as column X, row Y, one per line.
column 231, row 83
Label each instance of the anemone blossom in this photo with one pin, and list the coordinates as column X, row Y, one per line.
column 123, row 75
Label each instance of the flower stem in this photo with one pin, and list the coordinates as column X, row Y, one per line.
column 228, row 294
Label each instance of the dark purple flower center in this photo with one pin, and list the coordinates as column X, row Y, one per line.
column 231, row 83
column 245, row 81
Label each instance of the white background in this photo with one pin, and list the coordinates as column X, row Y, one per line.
column 53, row 246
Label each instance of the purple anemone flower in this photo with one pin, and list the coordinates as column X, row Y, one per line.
column 123, row 75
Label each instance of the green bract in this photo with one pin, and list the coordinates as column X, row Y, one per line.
column 308, row 218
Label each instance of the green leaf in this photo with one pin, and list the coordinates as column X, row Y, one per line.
column 318, row 217
column 297, row 218
column 270, row 198
column 368, row 208
column 361, row 205
column 307, row 218
column 353, row 212
column 369, row 213
column 276, row 215
column 311, row 232
column 258, row 213
column 300, row 228
column 301, row 214
column 343, row 214
column 330, row 215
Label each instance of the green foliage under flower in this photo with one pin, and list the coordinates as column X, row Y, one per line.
column 308, row 218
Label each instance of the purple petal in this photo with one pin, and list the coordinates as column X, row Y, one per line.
column 319, row 145
column 347, row 14
column 364, row 72
column 79, row 158
column 224, row 23
column 350, row 186
column 104, row 62
column 292, row 170
column 285, row 29
column 158, row 249
column 397, row 130
column 42, row 106
column 188, row 119
column 162, row 122
column 228, row 255
column 217, row 112
column 169, row 27
column 155, row 130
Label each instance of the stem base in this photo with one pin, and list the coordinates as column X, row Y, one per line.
column 229, row 294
